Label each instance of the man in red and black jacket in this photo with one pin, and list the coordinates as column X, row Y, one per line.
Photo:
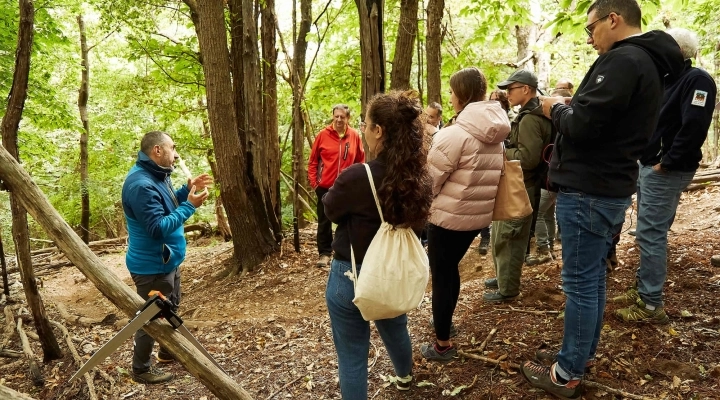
column 336, row 147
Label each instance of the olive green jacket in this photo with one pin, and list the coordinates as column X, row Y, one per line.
column 530, row 132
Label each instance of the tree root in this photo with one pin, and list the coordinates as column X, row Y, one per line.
column 76, row 357
column 37, row 377
column 535, row 312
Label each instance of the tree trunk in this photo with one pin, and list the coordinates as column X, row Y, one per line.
column 270, row 109
column 433, row 40
column 525, row 36
column 3, row 264
column 10, row 123
column 109, row 284
column 372, row 53
column 404, row 45
column 222, row 222
column 252, row 233
column 83, row 95
column 713, row 144
column 298, row 140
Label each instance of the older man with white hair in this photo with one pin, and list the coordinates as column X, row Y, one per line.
column 667, row 166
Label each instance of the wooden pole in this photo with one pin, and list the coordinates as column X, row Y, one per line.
column 119, row 293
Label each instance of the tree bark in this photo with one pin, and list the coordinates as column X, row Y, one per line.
column 433, row 40
column 404, row 45
column 9, row 394
column 524, row 37
column 252, row 233
column 222, row 222
column 83, row 95
column 3, row 264
column 372, row 53
column 118, row 292
column 10, row 124
column 713, row 144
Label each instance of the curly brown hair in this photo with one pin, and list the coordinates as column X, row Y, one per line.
column 406, row 190
column 502, row 98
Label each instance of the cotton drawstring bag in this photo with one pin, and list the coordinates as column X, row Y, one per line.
column 395, row 270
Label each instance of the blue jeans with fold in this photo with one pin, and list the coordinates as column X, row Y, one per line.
column 658, row 198
column 351, row 334
column 586, row 222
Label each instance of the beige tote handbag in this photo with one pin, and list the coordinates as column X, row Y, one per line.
column 511, row 201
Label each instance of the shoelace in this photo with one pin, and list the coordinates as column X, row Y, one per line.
column 537, row 369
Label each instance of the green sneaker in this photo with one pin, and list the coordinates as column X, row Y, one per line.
column 627, row 298
column 639, row 313
column 152, row 376
column 543, row 377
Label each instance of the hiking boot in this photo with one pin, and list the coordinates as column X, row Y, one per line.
column 484, row 244
column 715, row 261
column 453, row 331
column 491, row 283
column 403, row 383
column 549, row 356
column 432, row 353
column 497, row 297
column 164, row 356
column 323, row 261
column 531, row 260
column 627, row 298
column 152, row 376
column 543, row 377
column 638, row 312
column 544, row 254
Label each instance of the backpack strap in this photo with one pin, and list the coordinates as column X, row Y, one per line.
column 372, row 186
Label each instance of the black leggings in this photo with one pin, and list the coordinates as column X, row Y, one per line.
column 445, row 250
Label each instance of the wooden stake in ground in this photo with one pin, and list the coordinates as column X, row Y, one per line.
column 119, row 293
column 10, row 123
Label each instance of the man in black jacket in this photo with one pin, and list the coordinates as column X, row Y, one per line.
column 602, row 133
column 666, row 168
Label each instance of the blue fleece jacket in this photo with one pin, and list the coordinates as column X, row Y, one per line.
column 155, row 214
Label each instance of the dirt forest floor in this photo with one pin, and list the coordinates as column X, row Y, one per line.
column 270, row 330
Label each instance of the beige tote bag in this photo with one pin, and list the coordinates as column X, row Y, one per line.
column 511, row 201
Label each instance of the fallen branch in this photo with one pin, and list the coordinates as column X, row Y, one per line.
column 121, row 241
column 10, row 353
column 76, row 319
column 8, row 394
column 284, row 387
column 696, row 186
column 9, row 326
column 37, row 377
column 484, row 343
column 76, row 357
column 487, row 359
column 536, row 312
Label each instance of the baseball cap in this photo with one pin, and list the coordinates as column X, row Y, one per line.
column 521, row 76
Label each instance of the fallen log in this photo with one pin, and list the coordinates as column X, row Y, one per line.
column 121, row 241
column 8, row 394
column 79, row 320
column 109, row 284
column 10, row 353
column 706, row 178
column 697, row 186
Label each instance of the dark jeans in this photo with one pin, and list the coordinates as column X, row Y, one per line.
column 445, row 250
column 324, row 229
column 168, row 285
column 485, row 232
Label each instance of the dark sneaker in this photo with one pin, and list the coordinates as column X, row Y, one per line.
column 627, row 298
column 164, row 356
column 531, row 260
column 715, row 261
column 549, row 356
column 638, row 312
column 543, row 377
column 432, row 353
column 491, row 283
column 152, row 376
column 403, row 383
column 323, row 261
column 484, row 244
column 496, row 297
column 453, row 330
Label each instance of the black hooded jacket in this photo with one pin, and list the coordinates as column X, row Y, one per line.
column 606, row 127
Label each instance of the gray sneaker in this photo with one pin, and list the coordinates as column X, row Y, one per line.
column 430, row 352
column 323, row 261
column 152, row 376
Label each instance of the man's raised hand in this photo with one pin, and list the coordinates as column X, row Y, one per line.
column 197, row 199
column 200, row 182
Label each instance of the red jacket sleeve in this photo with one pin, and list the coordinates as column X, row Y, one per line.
column 313, row 162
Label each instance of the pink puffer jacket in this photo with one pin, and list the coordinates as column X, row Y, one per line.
column 465, row 162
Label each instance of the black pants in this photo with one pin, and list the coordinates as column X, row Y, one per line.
column 445, row 250
column 324, row 229
column 485, row 232
column 534, row 195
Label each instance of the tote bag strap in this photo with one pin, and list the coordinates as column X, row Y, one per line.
column 377, row 203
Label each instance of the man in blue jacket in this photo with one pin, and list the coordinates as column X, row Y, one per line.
column 155, row 214
column 666, row 169
column 601, row 135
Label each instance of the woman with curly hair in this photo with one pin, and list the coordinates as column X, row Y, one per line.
column 394, row 132
column 465, row 163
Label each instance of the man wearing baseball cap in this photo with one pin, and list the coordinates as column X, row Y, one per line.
column 530, row 132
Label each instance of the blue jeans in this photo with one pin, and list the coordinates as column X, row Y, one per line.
column 586, row 222
column 545, row 224
column 658, row 198
column 351, row 334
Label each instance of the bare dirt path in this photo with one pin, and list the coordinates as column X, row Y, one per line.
column 271, row 332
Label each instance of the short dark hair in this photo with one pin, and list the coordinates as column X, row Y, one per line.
column 436, row 106
column 341, row 107
column 152, row 139
column 566, row 82
column 629, row 9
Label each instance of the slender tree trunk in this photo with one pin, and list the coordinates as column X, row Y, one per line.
column 404, row 45
column 252, row 233
column 525, row 36
column 433, row 40
column 83, row 95
column 270, row 108
column 716, row 117
column 298, row 141
column 3, row 264
column 10, row 124
column 372, row 53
